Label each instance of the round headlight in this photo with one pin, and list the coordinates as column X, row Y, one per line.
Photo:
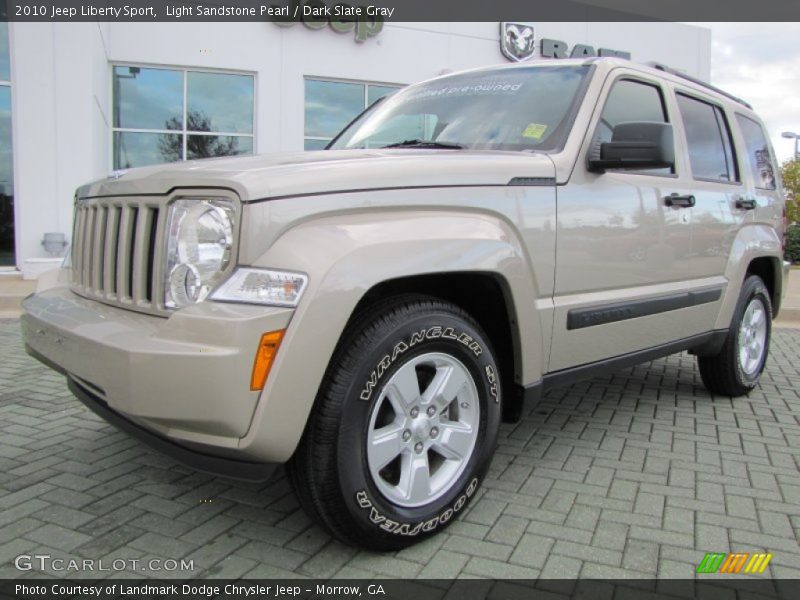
column 199, row 249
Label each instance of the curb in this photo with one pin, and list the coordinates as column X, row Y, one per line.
column 788, row 317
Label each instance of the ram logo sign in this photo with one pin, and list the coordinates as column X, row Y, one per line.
column 517, row 41
column 734, row 563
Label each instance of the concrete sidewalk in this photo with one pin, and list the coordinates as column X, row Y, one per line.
column 13, row 290
column 789, row 315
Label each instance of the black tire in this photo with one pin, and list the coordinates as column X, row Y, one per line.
column 724, row 373
column 330, row 470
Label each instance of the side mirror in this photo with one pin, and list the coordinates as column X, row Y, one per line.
column 637, row 145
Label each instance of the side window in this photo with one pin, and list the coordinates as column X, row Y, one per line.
column 709, row 140
column 759, row 157
column 632, row 101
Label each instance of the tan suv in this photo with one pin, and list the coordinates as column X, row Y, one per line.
column 371, row 313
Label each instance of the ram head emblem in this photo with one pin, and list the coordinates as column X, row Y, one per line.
column 516, row 41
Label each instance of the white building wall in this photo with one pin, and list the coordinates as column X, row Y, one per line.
column 62, row 83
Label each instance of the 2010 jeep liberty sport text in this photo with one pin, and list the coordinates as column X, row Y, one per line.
column 371, row 313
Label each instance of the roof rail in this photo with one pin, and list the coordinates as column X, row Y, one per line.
column 671, row 71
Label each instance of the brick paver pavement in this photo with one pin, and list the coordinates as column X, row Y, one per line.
column 637, row 474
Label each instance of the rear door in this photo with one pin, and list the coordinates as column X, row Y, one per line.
column 717, row 184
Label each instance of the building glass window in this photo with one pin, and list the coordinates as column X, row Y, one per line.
column 7, row 257
column 708, row 139
column 166, row 115
column 5, row 62
column 759, row 157
column 331, row 105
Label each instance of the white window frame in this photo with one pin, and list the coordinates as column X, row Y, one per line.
column 183, row 131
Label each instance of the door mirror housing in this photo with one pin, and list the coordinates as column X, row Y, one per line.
column 635, row 145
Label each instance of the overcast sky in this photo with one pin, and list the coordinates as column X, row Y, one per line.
column 760, row 63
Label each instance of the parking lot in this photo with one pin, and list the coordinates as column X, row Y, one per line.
column 637, row 474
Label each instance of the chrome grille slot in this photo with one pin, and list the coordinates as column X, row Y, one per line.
column 110, row 263
column 132, row 248
column 98, row 248
column 141, row 237
column 88, row 235
column 153, row 226
column 77, row 245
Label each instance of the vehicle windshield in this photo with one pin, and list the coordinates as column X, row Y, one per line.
column 524, row 108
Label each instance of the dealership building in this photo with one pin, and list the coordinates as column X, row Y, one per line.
column 81, row 100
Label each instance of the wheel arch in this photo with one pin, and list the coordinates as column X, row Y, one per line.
column 756, row 250
column 487, row 297
column 769, row 269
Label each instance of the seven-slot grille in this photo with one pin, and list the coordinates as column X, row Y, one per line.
column 117, row 252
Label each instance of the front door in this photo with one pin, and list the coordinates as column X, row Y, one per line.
column 622, row 250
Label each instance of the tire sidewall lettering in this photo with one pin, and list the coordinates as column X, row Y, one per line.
column 413, row 529
column 401, row 347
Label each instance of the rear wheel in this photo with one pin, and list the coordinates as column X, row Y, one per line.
column 735, row 371
column 404, row 426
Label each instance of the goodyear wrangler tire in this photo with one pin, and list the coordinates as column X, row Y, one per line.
column 404, row 425
column 735, row 371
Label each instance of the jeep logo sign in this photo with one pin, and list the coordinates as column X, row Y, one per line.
column 365, row 21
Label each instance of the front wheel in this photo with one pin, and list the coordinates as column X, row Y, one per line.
column 735, row 371
column 404, row 425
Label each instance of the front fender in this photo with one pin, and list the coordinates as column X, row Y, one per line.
column 344, row 257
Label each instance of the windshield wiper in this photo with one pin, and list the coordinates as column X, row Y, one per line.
column 424, row 144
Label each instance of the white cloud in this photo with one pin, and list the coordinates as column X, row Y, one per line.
column 760, row 63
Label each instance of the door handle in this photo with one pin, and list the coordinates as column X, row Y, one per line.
column 679, row 201
column 746, row 203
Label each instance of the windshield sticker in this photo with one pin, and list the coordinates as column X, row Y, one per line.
column 535, row 131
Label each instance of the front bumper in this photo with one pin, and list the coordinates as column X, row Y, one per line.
column 217, row 465
column 185, row 378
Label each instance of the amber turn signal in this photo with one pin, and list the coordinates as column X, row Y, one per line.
column 265, row 354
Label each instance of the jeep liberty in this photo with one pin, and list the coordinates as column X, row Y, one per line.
column 370, row 313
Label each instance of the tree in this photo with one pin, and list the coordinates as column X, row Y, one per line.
column 790, row 170
column 170, row 146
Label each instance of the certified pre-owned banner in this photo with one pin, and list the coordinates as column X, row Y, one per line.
column 324, row 11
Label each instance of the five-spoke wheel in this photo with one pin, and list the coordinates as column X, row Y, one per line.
column 423, row 429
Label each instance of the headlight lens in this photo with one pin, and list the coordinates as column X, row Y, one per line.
column 199, row 248
column 262, row 286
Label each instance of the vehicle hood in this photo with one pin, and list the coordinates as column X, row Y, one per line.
column 305, row 173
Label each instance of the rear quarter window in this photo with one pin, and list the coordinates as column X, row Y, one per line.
column 758, row 157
